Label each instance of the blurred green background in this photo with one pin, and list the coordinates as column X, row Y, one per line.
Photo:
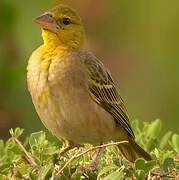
column 137, row 40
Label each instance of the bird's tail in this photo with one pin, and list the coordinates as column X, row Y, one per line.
column 132, row 151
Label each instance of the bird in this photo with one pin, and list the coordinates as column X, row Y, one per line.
column 73, row 92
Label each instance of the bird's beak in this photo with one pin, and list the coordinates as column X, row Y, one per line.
column 47, row 22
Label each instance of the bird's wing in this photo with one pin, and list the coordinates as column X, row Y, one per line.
column 103, row 91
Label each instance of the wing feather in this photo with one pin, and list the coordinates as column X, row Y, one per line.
column 103, row 91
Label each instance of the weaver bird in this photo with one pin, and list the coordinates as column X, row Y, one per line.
column 74, row 94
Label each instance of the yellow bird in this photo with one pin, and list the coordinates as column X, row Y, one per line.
column 74, row 94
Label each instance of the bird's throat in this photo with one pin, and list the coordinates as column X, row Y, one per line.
column 51, row 47
column 51, row 40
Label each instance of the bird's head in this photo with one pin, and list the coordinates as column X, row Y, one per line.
column 62, row 26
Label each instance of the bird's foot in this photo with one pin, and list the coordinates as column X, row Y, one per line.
column 93, row 166
column 70, row 145
column 66, row 149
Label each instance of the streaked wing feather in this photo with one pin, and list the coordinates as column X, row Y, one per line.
column 103, row 91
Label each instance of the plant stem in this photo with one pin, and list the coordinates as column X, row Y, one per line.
column 78, row 154
column 29, row 157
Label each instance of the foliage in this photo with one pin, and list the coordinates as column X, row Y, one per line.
column 38, row 158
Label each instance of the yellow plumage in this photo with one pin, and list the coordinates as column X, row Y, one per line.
column 73, row 93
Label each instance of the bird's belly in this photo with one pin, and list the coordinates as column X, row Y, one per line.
column 78, row 119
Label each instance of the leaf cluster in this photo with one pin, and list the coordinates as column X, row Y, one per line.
column 38, row 158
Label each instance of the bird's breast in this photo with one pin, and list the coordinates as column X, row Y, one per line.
column 63, row 103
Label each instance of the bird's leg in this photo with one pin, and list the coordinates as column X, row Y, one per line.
column 94, row 164
column 98, row 156
column 70, row 145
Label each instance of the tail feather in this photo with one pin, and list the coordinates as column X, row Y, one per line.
column 132, row 151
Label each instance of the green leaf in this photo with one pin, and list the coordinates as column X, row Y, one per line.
column 23, row 169
column 32, row 172
column 157, row 153
column 135, row 126
column 10, row 143
column 66, row 172
column 140, row 174
column 26, row 141
column 1, row 148
column 129, row 172
column 151, row 144
column 86, row 158
column 168, row 164
column 11, row 131
column 44, row 172
column 168, row 154
column 139, row 164
column 37, row 139
column 146, row 128
column 18, row 175
column 165, row 139
column 3, row 167
column 49, row 151
column 106, row 170
column 150, row 165
column 33, row 176
column 18, row 132
column 175, row 142
column 77, row 176
column 114, row 176
column 16, row 149
column 154, row 129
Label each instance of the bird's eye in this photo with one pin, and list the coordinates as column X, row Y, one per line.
column 66, row 21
